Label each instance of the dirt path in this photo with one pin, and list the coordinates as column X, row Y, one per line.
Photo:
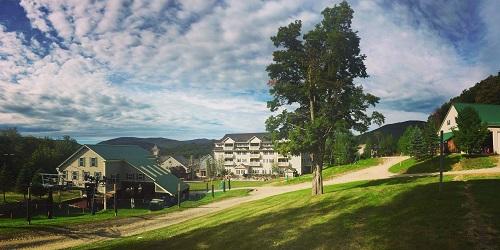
column 71, row 236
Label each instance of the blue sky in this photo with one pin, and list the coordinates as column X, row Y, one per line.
column 190, row 69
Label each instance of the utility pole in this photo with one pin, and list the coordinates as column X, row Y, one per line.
column 93, row 198
column 441, row 161
column 28, row 215
column 114, row 198
column 179, row 193
column 212, row 181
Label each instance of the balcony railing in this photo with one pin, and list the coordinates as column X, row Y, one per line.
column 228, row 163
column 254, row 164
column 283, row 164
column 254, row 155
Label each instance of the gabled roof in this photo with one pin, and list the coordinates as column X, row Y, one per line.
column 139, row 159
column 488, row 113
column 181, row 159
column 245, row 137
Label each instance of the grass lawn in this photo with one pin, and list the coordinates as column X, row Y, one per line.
column 201, row 185
column 398, row 213
column 453, row 162
column 16, row 197
column 332, row 171
column 20, row 225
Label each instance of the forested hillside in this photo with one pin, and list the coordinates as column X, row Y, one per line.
column 487, row 91
column 23, row 156
column 394, row 129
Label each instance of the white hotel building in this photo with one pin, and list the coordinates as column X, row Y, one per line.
column 253, row 153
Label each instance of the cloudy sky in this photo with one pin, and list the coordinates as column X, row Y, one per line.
column 190, row 69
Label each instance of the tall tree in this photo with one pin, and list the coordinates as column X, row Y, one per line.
column 316, row 73
column 344, row 147
column 37, row 185
column 418, row 147
column 431, row 137
column 23, row 180
column 471, row 133
column 5, row 180
column 405, row 141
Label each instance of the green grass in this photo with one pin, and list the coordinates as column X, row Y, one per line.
column 16, row 197
column 452, row 162
column 234, row 184
column 333, row 171
column 9, row 226
column 398, row 213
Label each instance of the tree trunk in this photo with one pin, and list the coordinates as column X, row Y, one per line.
column 317, row 182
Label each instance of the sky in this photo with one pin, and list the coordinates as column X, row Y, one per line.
column 189, row 69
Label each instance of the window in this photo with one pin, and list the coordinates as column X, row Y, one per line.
column 93, row 162
column 448, row 122
column 140, row 176
column 65, row 174
column 97, row 175
column 130, row 176
column 82, row 162
column 86, row 174
column 74, row 175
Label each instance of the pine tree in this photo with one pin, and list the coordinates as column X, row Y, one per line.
column 431, row 138
column 471, row 133
column 36, row 185
column 5, row 180
column 418, row 146
column 23, row 180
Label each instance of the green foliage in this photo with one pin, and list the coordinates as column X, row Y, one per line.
column 405, row 141
column 419, row 150
column 471, row 133
column 487, row 92
column 431, row 138
column 36, row 184
column 344, row 148
column 32, row 153
column 316, row 72
column 368, row 150
column 5, row 180
column 23, row 180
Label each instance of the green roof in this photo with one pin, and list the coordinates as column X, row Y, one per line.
column 141, row 160
column 488, row 113
column 447, row 136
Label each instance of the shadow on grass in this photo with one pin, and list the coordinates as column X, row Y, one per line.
column 432, row 165
column 405, row 217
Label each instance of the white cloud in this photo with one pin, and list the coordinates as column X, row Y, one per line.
column 179, row 70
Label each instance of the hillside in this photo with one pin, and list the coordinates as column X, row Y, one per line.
column 487, row 91
column 196, row 147
column 394, row 129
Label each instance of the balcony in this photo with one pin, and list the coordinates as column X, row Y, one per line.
column 228, row 163
column 283, row 164
column 254, row 155
column 255, row 164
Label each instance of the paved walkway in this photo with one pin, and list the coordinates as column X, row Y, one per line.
column 73, row 236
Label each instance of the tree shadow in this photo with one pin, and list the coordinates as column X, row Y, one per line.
column 418, row 217
column 432, row 165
